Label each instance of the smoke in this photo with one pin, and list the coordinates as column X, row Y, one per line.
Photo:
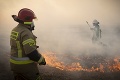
column 77, row 39
column 61, row 25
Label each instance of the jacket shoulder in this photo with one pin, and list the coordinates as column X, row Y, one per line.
column 22, row 31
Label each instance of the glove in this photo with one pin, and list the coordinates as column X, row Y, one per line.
column 42, row 61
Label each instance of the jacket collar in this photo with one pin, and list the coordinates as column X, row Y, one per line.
column 26, row 26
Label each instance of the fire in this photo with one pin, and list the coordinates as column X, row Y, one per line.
column 116, row 65
column 53, row 61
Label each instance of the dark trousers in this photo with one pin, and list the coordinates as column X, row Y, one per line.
column 26, row 76
column 25, row 71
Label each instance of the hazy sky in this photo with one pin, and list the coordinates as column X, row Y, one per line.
column 64, row 11
column 53, row 15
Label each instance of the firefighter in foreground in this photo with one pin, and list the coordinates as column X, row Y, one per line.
column 24, row 55
column 96, row 32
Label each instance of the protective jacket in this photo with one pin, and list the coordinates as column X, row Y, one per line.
column 22, row 42
column 96, row 33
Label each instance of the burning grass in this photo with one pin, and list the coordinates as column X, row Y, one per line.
column 83, row 62
column 82, row 67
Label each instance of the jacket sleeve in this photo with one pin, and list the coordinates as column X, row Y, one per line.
column 28, row 41
column 30, row 48
column 35, row 56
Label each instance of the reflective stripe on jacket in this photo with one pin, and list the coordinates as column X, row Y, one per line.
column 23, row 60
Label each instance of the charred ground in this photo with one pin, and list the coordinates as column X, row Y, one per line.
column 52, row 73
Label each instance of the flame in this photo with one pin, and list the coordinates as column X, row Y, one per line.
column 116, row 65
column 53, row 61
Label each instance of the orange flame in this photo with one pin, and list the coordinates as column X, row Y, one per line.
column 53, row 61
column 116, row 65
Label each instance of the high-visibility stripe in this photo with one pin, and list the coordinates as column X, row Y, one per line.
column 14, row 35
column 31, row 42
column 19, row 59
column 21, row 62
column 27, row 22
column 19, row 49
column 39, row 78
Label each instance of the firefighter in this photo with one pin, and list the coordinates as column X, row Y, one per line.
column 96, row 32
column 24, row 56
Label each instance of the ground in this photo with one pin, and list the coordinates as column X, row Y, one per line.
column 51, row 73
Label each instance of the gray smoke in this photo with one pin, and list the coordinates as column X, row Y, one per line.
column 61, row 26
column 76, row 39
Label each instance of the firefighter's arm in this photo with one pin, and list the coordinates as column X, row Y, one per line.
column 35, row 56
column 30, row 48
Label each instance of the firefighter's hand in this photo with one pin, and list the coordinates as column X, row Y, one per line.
column 42, row 61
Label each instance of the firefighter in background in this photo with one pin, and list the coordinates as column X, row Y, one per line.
column 96, row 32
column 24, row 55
